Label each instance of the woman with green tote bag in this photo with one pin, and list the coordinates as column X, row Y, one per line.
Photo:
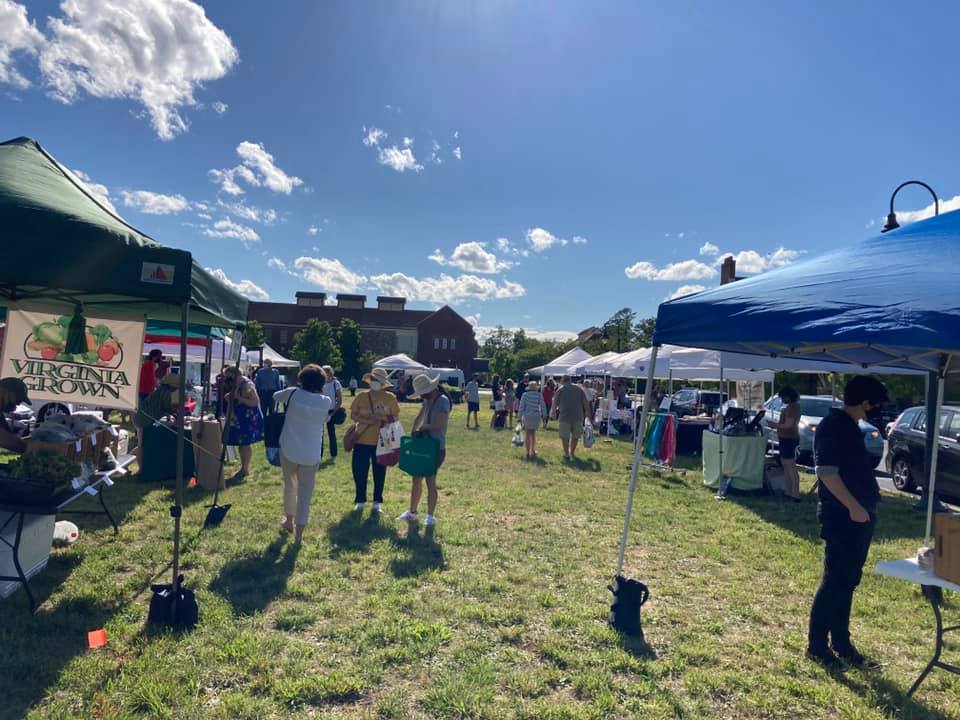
column 429, row 427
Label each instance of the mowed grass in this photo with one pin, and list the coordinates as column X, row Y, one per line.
column 499, row 613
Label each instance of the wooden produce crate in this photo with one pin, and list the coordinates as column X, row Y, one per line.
column 71, row 450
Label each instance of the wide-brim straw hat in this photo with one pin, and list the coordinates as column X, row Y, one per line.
column 532, row 385
column 378, row 375
column 423, row 384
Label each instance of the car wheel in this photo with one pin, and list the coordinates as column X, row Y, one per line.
column 902, row 477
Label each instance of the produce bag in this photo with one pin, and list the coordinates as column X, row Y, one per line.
column 272, row 428
column 388, row 445
column 588, row 437
column 419, row 456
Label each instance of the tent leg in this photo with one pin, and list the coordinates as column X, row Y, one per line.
column 178, row 488
column 207, row 362
column 933, row 446
column 637, row 449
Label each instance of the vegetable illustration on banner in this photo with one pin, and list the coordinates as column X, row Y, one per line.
column 72, row 357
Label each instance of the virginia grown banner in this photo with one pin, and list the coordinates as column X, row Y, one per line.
column 71, row 357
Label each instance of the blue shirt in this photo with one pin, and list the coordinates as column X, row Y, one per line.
column 267, row 380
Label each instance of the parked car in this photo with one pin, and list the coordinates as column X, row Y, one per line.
column 691, row 401
column 907, row 445
column 814, row 408
column 885, row 417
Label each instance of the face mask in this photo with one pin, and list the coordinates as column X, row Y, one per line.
column 374, row 385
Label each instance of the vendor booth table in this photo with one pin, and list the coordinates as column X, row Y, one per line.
column 909, row 571
column 743, row 460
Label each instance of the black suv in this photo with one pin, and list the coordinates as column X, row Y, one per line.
column 691, row 401
column 905, row 452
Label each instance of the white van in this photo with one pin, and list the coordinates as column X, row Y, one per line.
column 451, row 377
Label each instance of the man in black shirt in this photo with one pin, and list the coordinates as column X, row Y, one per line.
column 847, row 513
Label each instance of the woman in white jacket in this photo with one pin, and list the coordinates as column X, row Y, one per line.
column 301, row 445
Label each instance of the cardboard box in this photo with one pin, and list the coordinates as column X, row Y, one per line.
column 946, row 533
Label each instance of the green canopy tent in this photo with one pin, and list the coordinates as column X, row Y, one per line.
column 60, row 244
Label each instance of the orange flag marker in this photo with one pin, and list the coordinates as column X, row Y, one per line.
column 96, row 638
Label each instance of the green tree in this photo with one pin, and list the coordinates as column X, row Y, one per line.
column 619, row 330
column 349, row 335
column 253, row 334
column 499, row 339
column 643, row 331
column 519, row 340
column 367, row 360
column 317, row 343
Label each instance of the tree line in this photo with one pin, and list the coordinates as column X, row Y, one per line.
column 321, row 343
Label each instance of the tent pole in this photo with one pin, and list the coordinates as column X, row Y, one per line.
column 933, row 446
column 637, row 449
column 207, row 362
column 178, row 488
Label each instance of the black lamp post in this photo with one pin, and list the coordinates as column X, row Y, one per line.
column 892, row 223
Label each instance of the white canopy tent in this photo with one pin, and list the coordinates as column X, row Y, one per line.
column 562, row 364
column 252, row 357
column 400, row 362
column 597, row 365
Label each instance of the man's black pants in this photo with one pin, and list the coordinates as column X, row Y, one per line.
column 845, row 552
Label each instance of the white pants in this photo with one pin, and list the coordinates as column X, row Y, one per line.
column 298, row 484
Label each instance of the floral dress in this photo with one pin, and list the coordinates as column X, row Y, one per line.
column 246, row 425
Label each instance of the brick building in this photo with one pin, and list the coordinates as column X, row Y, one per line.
column 441, row 338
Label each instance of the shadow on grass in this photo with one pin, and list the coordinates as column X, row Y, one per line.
column 251, row 583
column 896, row 517
column 890, row 696
column 36, row 648
column 636, row 646
column 354, row 533
column 425, row 553
column 120, row 499
column 586, row 464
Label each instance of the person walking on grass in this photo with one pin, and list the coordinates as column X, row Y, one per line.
column 788, row 439
column 370, row 410
column 510, row 398
column 570, row 408
column 333, row 390
column 473, row 401
column 849, row 494
column 267, row 382
column 549, row 390
column 496, row 394
column 432, row 421
column 532, row 412
column 353, row 387
column 246, row 418
column 301, row 445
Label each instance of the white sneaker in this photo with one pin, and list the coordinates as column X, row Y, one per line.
column 377, row 507
column 429, row 520
column 410, row 517
column 359, row 507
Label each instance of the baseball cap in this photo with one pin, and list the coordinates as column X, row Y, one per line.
column 17, row 388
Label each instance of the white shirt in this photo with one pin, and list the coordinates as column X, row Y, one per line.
column 301, row 440
column 589, row 392
column 473, row 391
column 330, row 389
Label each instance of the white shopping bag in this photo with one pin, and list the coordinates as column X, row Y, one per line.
column 588, row 437
column 517, row 439
column 388, row 444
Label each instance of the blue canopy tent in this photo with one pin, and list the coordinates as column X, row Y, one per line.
column 890, row 301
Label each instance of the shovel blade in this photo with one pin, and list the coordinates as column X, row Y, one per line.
column 215, row 515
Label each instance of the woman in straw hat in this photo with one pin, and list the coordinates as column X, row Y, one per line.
column 432, row 420
column 370, row 410
column 532, row 412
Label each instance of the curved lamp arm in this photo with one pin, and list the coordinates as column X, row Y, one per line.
column 892, row 223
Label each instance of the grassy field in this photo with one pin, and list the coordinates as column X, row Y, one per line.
column 498, row 613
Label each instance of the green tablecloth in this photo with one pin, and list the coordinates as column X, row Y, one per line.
column 743, row 461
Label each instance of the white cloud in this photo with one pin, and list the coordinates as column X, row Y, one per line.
column 266, row 216
column 227, row 228
column 434, row 156
column 275, row 263
column 482, row 332
column 685, row 290
column 456, row 134
column 904, row 217
column 247, row 288
column 18, row 35
column 330, row 275
column 314, row 230
column 257, row 169
column 256, row 157
column 541, row 239
column 752, row 262
column 408, row 142
column 457, row 153
column 578, row 240
column 445, row 289
column 709, row 248
column 684, row 270
column 508, row 248
column 204, row 216
column 154, row 52
column 227, row 179
column 473, row 257
column 219, row 107
column 373, row 136
column 399, row 160
column 98, row 190
column 151, row 203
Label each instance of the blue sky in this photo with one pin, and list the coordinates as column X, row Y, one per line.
column 536, row 164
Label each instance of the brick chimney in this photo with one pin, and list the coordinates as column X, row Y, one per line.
column 728, row 270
